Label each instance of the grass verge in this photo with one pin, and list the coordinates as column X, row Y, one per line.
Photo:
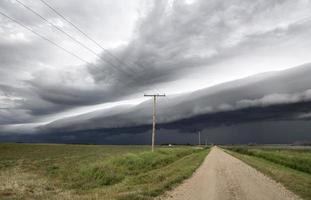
column 299, row 159
column 295, row 180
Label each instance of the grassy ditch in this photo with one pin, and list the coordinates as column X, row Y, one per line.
column 293, row 158
column 114, row 170
column 290, row 167
column 33, row 171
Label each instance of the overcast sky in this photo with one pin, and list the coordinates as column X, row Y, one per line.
column 162, row 46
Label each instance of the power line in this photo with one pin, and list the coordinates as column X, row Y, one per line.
column 91, row 39
column 51, row 42
column 45, row 38
column 83, row 33
column 68, row 35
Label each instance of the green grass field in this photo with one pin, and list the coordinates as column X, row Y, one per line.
column 43, row 171
column 291, row 167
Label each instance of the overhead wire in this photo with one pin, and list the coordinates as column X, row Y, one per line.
column 83, row 33
column 88, row 37
column 50, row 41
column 71, row 37
column 44, row 38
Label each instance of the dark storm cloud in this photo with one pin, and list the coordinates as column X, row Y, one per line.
column 274, row 132
column 175, row 39
column 265, row 124
column 27, row 61
column 255, row 97
column 263, row 97
column 172, row 40
column 190, row 40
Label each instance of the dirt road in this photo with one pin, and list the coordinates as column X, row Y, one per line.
column 223, row 177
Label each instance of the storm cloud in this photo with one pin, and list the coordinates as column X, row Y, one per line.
column 224, row 103
column 216, row 60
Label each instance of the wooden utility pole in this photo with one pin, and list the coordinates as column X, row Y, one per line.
column 154, row 115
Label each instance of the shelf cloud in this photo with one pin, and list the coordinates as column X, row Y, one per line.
column 214, row 59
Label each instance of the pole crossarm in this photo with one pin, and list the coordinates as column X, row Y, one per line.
column 154, row 95
column 154, row 115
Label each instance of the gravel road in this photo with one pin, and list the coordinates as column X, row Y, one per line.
column 223, row 177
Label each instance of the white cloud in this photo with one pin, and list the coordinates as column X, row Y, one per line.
column 275, row 99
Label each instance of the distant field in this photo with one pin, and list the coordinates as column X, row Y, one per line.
column 290, row 166
column 42, row 171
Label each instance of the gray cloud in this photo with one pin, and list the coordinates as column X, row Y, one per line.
column 275, row 99
column 170, row 42
column 228, row 97
column 175, row 39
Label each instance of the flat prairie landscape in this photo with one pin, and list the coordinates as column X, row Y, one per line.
column 55, row 171
column 94, row 93
column 43, row 171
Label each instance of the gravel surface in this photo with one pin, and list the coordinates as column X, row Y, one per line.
column 222, row 177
